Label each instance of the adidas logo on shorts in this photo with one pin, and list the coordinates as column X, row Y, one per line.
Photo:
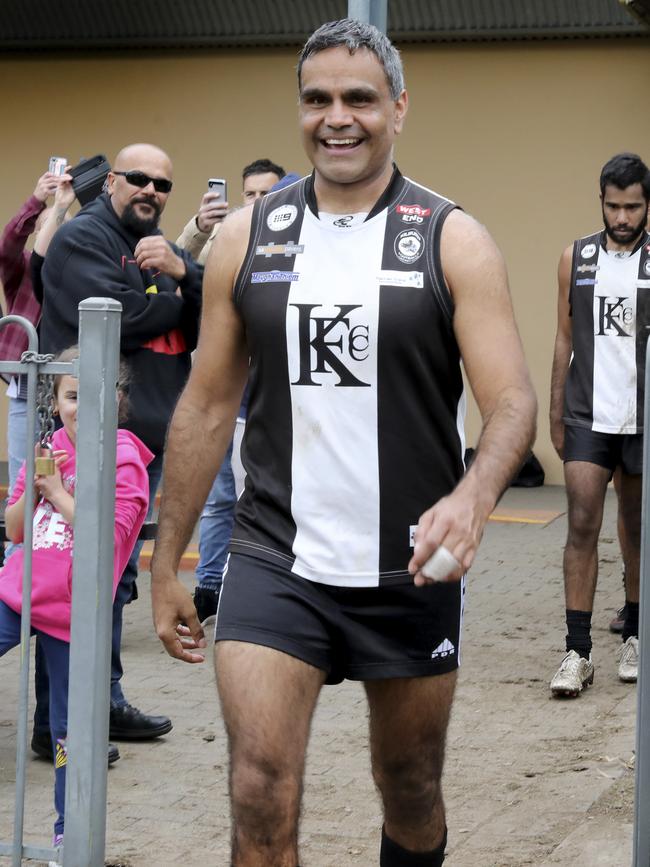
column 446, row 648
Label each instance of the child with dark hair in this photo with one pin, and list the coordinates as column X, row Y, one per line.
column 52, row 499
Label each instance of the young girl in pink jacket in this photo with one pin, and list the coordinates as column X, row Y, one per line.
column 52, row 499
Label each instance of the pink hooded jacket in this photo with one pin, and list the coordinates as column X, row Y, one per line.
column 53, row 536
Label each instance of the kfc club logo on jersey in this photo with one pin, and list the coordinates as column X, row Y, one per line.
column 412, row 213
column 331, row 342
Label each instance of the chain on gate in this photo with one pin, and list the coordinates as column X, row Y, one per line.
column 44, row 462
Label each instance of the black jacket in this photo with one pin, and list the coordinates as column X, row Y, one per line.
column 92, row 256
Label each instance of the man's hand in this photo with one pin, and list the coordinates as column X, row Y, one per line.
column 154, row 252
column 176, row 621
column 211, row 211
column 46, row 186
column 557, row 436
column 455, row 522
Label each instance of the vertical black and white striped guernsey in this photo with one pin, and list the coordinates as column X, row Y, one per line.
column 610, row 314
column 355, row 418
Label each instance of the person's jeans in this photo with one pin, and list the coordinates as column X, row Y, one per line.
column 125, row 591
column 57, row 655
column 215, row 526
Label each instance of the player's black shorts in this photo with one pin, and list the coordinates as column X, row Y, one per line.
column 605, row 449
column 363, row 633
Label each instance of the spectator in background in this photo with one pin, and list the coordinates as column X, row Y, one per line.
column 20, row 300
column 217, row 517
column 16, row 265
column 114, row 249
column 197, row 236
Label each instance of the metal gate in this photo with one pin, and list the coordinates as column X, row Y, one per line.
column 92, row 583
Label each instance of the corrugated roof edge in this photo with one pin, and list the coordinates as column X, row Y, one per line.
column 298, row 39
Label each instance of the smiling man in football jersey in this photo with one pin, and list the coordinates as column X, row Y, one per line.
column 355, row 293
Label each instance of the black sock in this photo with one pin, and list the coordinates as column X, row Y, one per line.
column 631, row 625
column 393, row 855
column 578, row 624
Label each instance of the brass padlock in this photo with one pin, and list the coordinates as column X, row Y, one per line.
column 44, row 463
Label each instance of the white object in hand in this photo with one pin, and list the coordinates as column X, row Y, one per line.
column 440, row 564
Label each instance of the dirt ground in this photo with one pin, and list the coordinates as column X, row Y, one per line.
column 529, row 780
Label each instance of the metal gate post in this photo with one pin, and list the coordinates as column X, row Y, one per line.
column 641, row 850
column 92, row 582
column 370, row 11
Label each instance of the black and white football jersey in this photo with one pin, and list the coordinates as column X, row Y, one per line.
column 356, row 407
column 610, row 319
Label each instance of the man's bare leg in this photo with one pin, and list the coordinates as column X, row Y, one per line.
column 267, row 699
column 630, row 519
column 586, row 484
column 408, row 726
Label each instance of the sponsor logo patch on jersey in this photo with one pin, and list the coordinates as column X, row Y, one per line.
column 274, row 277
column 582, row 269
column 586, row 281
column 282, row 217
column 646, row 267
column 588, row 251
column 414, row 279
column 287, row 250
column 409, row 246
column 344, row 222
column 413, row 211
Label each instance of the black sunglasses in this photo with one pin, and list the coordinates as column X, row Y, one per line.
column 139, row 179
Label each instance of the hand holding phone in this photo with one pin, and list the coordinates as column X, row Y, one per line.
column 214, row 205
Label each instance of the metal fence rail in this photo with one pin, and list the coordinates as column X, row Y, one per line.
column 641, row 849
column 97, row 369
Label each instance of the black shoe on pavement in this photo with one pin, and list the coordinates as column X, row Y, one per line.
column 618, row 621
column 127, row 723
column 42, row 746
column 206, row 602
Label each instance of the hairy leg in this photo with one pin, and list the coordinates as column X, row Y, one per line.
column 408, row 727
column 586, row 484
column 268, row 700
column 630, row 519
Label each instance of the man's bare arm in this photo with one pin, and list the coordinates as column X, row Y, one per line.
column 562, row 352
column 496, row 369
column 199, row 434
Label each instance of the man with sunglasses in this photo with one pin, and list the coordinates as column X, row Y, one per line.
column 113, row 248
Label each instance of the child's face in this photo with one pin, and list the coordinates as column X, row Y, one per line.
column 66, row 405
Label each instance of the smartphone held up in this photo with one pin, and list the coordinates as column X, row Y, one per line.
column 218, row 185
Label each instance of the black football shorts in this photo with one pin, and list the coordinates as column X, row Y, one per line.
column 365, row 633
column 605, row 449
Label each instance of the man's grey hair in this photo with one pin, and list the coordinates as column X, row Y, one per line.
column 353, row 35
